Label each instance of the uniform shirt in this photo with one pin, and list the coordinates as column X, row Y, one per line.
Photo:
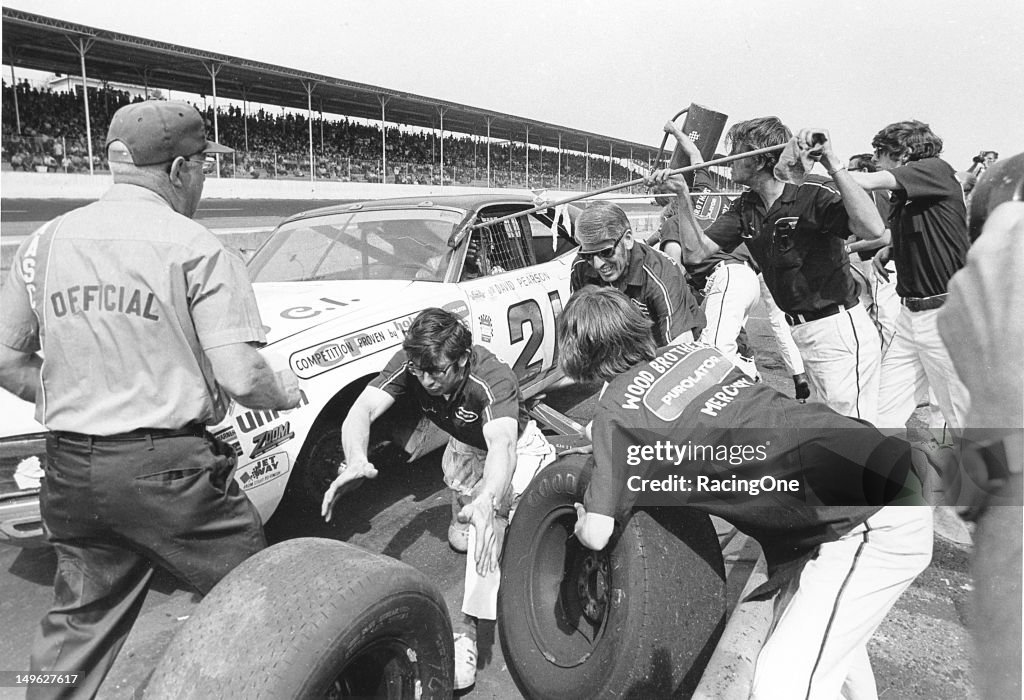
column 929, row 227
column 692, row 396
column 123, row 296
column 488, row 390
column 798, row 244
column 654, row 283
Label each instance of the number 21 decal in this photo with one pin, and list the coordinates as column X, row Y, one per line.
column 528, row 312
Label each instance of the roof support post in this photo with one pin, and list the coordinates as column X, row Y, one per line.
column 586, row 166
column 245, row 115
column 488, row 119
column 527, row 156
column 559, row 160
column 383, row 138
column 441, row 111
column 213, row 69
column 82, row 46
column 309, row 85
column 11, row 58
column 609, row 164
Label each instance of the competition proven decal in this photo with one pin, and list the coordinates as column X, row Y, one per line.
column 338, row 352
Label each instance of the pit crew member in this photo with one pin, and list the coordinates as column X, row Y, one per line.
column 493, row 452
column 838, row 556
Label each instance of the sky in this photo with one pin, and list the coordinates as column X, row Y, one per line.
column 622, row 68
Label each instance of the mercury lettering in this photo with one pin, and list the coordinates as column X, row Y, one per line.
column 90, row 298
column 724, row 396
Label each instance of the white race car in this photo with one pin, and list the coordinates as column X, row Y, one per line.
column 337, row 287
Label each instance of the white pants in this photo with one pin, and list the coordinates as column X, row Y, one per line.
column 824, row 617
column 463, row 467
column 917, row 361
column 878, row 297
column 842, row 356
column 730, row 293
column 783, row 336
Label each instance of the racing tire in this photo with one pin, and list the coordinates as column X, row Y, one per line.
column 640, row 619
column 311, row 618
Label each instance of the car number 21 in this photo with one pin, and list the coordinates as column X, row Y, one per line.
column 525, row 313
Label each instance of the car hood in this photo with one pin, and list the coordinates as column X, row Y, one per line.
column 288, row 308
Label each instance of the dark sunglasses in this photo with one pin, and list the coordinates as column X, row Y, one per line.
column 604, row 253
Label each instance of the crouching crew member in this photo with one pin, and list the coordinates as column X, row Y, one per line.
column 493, row 452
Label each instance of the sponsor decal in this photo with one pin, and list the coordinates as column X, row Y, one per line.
column 263, row 470
column 275, row 437
column 486, row 326
column 466, row 416
column 459, row 308
column 228, row 435
column 253, row 420
column 316, row 360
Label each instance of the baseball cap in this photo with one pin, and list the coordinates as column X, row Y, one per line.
column 158, row 131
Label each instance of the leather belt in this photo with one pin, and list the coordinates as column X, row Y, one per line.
column 924, row 303
column 797, row 319
column 190, row 430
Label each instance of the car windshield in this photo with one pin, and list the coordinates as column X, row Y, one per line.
column 393, row 244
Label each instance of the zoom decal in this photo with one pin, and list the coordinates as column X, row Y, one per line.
column 275, row 437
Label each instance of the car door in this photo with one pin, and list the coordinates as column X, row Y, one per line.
column 515, row 302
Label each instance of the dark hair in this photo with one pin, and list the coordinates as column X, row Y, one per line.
column 913, row 138
column 435, row 338
column 864, row 162
column 1002, row 182
column 760, row 132
column 601, row 334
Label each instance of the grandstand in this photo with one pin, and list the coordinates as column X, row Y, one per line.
column 358, row 133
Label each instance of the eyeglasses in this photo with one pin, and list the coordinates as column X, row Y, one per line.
column 604, row 253
column 420, row 373
column 209, row 162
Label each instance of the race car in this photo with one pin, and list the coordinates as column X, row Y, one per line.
column 337, row 287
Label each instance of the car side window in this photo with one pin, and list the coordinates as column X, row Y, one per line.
column 497, row 248
column 546, row 246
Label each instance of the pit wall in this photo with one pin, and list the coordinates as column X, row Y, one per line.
column 21, row 185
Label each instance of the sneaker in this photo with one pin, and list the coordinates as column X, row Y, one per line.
column 465, row 661
column 458, row 536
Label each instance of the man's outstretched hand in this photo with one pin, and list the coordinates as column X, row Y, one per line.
column 350, row 476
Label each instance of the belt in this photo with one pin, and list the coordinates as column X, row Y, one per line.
column 923, row 303
column 797, row 319
column 190, row 430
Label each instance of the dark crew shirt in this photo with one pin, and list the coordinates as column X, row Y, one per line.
column 488, row 390
column 656, row 285
column 692, row 395
column 798, row 244
column 929, row 227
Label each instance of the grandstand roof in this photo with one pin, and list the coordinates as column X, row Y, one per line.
column 47, row 44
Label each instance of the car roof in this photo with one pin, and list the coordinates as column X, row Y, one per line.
column 463, row 202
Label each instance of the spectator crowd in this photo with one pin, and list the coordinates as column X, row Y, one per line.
column 276, row 145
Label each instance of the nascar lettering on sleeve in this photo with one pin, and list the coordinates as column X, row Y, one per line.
column 336, row 352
